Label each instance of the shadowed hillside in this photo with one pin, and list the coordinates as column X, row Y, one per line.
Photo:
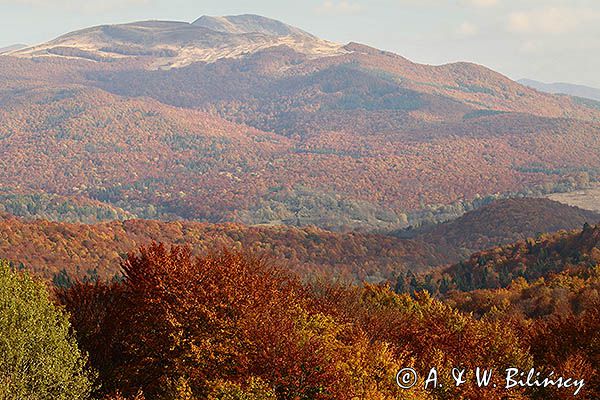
column 503, row 222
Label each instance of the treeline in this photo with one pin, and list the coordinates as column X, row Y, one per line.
column 60, row 208
column 498, row 267
column 63, row 250
column 569, row 292
column 51, row 248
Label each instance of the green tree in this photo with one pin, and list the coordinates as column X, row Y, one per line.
column 39, row 358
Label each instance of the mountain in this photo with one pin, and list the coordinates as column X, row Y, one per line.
column 249, row 23
column 563, row 88
column 12, row 48
column 175, row 44
column 248, row 120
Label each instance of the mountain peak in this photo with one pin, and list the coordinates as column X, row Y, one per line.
column 172, row 44
column 249, row 23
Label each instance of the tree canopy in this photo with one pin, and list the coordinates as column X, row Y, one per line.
column 39, row 357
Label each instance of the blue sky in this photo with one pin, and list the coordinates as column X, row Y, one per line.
column 548, row 40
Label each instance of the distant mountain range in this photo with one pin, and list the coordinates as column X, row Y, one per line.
column 563, row 88
column 13, row 47
column 247, row 119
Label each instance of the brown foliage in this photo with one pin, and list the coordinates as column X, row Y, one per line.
column 362, row 135
column 49, row 247
column 570, row 345
column 221, row 317
column 198, row 325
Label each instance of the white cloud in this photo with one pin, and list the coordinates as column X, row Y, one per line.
column 551, row 20
column 342, row 7
column 467, row 29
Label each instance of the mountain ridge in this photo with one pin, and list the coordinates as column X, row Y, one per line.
column 570, row 89
column 172, row 45
column 176, row 44
column 137, row 106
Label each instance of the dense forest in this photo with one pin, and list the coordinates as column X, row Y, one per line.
column 227, row 312
column 274, row 136
column 528, row 259
column 75, row 250
column 51, row 248
column 60, row 208
column 231, row 325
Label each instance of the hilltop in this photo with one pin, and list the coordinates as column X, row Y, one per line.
column 250, row 23
column 175, row 44
column 503, row 222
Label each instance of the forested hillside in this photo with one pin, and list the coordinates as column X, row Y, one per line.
column 283, row 129
column 77, row 250
column 48, row 248
column 529, row 260
column 60, row 208
column 503, row 222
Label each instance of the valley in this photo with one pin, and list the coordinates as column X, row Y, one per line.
column 588, row 199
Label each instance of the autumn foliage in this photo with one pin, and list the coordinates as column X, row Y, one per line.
column 275, row 176
column 356, row 141
column 198, row 323
column 179, row 326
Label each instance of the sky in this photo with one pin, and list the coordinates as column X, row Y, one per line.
column 546, row 40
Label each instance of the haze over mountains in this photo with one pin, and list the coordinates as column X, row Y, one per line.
column 246, row 119
column 563, row 88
